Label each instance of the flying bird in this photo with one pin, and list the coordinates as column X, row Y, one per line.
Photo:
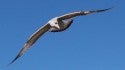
column 56, row 24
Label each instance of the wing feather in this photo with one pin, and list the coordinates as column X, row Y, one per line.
column 80, row 13
column 32, row 40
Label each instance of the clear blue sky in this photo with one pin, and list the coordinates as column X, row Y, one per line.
column 93, row 42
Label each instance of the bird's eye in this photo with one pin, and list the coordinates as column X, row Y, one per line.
column 56, row 23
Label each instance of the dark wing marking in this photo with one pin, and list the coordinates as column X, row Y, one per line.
column 80, row 13
column 32, row 40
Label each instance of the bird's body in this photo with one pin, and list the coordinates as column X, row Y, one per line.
column 61, row 25
column 56, row 24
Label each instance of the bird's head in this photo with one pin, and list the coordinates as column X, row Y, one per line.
column 54, row 23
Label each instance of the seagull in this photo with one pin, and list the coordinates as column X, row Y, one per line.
column 57, row 24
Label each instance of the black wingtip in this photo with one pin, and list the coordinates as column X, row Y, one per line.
column 13, row 60
column 108, row 8
column 105, row 9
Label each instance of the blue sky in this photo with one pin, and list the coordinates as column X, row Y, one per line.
column 93, row 42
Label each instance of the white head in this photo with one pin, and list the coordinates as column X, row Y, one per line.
column 54, row 23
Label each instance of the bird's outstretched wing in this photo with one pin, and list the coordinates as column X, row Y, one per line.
column 32, row 40
column 80, row 13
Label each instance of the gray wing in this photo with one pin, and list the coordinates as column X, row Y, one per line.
column 32, row 40
column 80, row 13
